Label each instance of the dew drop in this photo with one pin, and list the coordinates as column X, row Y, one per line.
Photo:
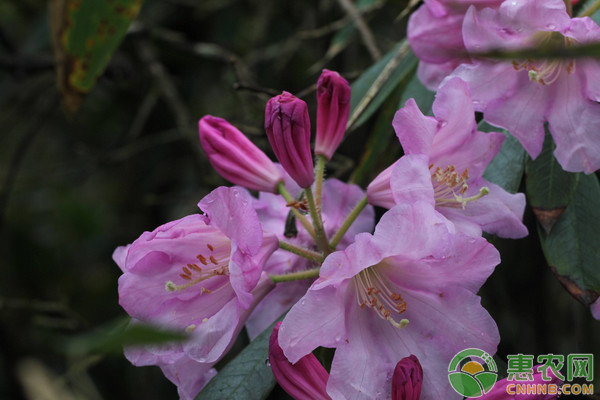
column 303, row 302
column 267, row 362
column 551, row 26
column 202, row 359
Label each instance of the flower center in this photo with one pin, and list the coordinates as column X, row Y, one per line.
column 209, row 264
column 375, row 292
column 449, row 187
column 546, row 72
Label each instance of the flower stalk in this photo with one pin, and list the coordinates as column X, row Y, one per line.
column 302, row 252
column 319, row 175
column 322, row 241
column 335, row 240
column 295, row 276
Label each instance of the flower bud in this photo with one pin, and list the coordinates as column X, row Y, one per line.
column 379, row 191
column 407, row 379
column 235, row 157
column 305, row 380
column 288, row 128
column 333, row 107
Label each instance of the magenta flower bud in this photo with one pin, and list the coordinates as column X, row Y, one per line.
column 235, row 157
column 288, row 129
column 407, row 379
column 305, row 380
column 333, row 108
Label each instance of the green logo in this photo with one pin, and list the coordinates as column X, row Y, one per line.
column 472, row 373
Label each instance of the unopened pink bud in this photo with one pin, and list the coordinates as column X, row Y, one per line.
column 333, row 108
column 305, row 380
column 288, row 128
column 235, row 157
column 379, row 191
column 407, row 379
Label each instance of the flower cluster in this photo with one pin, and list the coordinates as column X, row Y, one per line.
column 520, row 95
column 395, row 299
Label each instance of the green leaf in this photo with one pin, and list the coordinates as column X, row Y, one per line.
column 111, row 337
column 506, row 169
column 549, row 188
column 572, row 247
column 423, row 96
column 374, row 86
column 376, row 156
column 247, row 376
column 85, row 35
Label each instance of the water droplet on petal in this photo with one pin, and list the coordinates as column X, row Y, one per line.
column 551, row 26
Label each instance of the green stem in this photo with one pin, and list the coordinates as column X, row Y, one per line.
column 322, row 241
column 301, row 251
column 319, row 174
column 591, row 9
column 348, row 222
column 295, row 276
column 303, row 220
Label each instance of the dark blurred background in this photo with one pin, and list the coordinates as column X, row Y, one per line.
column 74, row 187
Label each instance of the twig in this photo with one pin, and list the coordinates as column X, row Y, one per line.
column 365, row 32
column 166, row 85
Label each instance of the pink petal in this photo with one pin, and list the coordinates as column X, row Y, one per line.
column 411, row 180
column 189, row 376
column 595, row 308
column 498, row 212
column 523, row 113
column 414, row 130
column 431, row 75
column 573, row 122
column 435, row 40
column 488, row 81
column 309, row 324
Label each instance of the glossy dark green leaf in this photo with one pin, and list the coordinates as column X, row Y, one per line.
column 377, row 155
column 423, row 96
column 247, row 377
column 572, row 248
column 549, row 188
column 376, row 84
column 111, row 337
column 506, row 169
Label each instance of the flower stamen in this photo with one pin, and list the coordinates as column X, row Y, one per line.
column 373, row 291
column 193, row 274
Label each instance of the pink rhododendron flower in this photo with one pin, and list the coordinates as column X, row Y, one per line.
column 304, row 380
column 338, row 200
column 435, row 35
column 201, row 274
column 521, row 96
column 410, row 288
column 444, row 161
column 333, row 108
column 235, row 157
column 288, row 128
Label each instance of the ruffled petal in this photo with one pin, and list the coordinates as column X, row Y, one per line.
column 523, row 113
column 435, row 40
column 573, row 123
column 411, row 180
column 414, row 130
column 488, row 81
column 189, row 376
column 316, row 320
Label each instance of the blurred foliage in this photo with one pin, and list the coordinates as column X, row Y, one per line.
column 73, row 188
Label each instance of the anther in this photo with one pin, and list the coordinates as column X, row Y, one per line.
column 201, row 258
column 213, row 260
column 210, row 247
